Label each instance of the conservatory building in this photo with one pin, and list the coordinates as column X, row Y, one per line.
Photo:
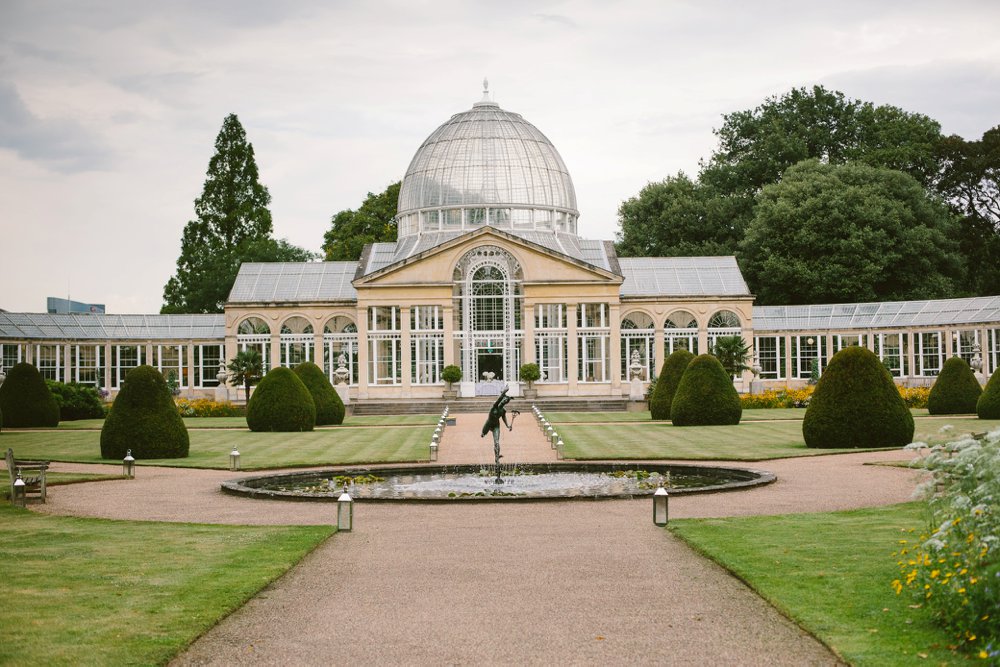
column 488, row 273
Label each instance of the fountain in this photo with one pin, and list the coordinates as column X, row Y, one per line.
column 507, row 481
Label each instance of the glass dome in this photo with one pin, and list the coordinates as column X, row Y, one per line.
column 487, row 166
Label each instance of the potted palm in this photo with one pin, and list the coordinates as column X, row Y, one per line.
column 450, row 375
column 530, row 373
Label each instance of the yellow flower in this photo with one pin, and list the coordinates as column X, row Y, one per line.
column 983, row 654
column 935, row 573
column 897, row 586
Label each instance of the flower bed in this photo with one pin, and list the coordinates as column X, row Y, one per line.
column 203, row 407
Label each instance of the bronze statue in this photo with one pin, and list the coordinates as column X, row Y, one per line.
column 498, row 414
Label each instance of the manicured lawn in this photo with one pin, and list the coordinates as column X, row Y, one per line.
column 831, row 573
column 765, row 435
column 241, row 422
column 210, row 448
column 97, row 592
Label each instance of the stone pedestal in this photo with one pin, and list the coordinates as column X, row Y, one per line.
column 344, row 392
column 635, row 392
column 222, row 393
column 756, row 387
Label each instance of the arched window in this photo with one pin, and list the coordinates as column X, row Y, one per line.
column 253, row 333
column 723, row 323
column 340, row 344
column 637, row 331
column 680, row 332
column 296, row 340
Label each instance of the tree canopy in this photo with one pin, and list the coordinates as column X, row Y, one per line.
column 970, row 180
column 232, row 225
column 373, row 221
column 836, row 233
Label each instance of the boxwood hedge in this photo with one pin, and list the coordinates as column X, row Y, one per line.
column 26, row 400
column 666, row 384
column 706, row 395
column 143, row 418
column 956, row 389
column 281, row 402
column 329, row 407
column 856, row 404
column 988, row 406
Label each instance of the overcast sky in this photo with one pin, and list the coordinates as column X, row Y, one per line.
column 109, row 109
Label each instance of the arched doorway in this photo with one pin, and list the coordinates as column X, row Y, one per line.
column 487, row 286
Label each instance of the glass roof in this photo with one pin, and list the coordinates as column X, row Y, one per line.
column 888, row 315
column 93, row 326
column 487, row 157
column 259, row 282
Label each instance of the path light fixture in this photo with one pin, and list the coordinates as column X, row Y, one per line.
column 19, row 492
column 234, row 459
column 555, row 439
column 128, row 465
column 660, row 505
column 559, row 451
column 435, row 438
column 434, row 450
column 345, row 512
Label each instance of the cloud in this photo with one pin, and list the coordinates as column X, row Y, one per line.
column 61, row 145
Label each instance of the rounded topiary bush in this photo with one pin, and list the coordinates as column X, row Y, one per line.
column 706, row 395
column 451, row 374
column 666, row 384
column 281, row 402
column 988, row 406
column 25, row 399
column 956, row 389
column 145, row 419
column 329, row 407
column 856, row 404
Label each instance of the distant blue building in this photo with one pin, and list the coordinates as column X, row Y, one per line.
column 57, row 306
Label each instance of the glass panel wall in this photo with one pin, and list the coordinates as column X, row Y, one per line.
column 593, row 338
column 426, row 344
column 550, row 341
column 171, row 360
column 892, row 349
column 49, row 361
column 10, row 355
column 771, row 357
column 637, row 338
column 930, row 353
column 123, row 359
column 88, row 365
column 680, row 333
column 385, row 346
column 206, row 365
column 340, row 337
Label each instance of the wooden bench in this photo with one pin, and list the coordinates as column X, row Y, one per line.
column 32, row 474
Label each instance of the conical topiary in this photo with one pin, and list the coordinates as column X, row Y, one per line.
column 329, row 407
column 956, row 389
column 988, row 406
column 666, row 385
column 144, row 418
column 281, row 402
column 26, row 400
column 706, row 395
column 856, row 404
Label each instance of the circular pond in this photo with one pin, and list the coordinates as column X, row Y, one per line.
column 553, row 481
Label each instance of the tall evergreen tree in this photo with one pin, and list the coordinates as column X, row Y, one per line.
column 232, row 225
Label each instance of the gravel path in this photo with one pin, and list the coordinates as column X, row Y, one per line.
column 540, row 583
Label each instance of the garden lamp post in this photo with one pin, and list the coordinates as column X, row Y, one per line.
column 559, row 450
column 128, row 465
column 660, row 502
column 434, row 450
column 18, row 497
column 345, row 512
column 234, row 459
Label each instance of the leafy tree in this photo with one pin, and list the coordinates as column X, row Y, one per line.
column 246, row 368
column 757, row 146
column 733, row 353
column 350, row 231
column 841, row 233
column 970, row 180
column 232, row 225
column 678, row 217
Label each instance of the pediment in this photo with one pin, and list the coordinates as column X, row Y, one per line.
column 436, row 265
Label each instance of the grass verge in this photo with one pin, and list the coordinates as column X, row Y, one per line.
column 60, row 478
column 241, row 422
column 831, row 573
column 210, row 448
column 98, row 592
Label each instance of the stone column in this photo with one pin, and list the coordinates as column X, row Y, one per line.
column 275, row 346
column 318, row 350
column 406, row 354
column 572, row 357
column 788, row 357
column 68, row 363
column 615, row 366
column 528, row 342
column 107, row 366
column 363, row 347
column 448, row 313
column 189, row 363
